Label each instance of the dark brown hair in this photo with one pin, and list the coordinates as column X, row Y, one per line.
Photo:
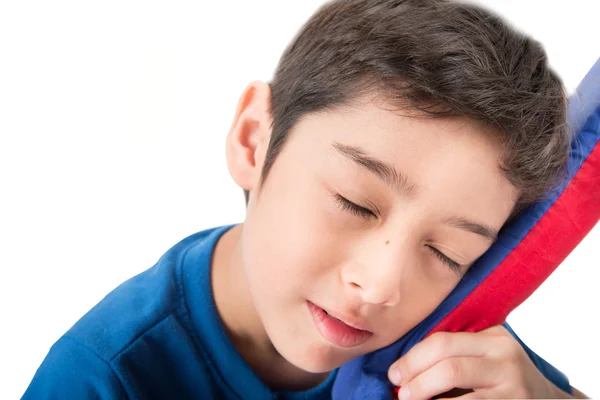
column 441, row 57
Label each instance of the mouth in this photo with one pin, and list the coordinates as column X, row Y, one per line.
column 337, row 331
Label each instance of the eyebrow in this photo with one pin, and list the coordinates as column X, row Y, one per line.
column 387, row 173
column 481, row 229
column 400, row 182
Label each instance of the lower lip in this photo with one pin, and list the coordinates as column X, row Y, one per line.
column 336, row 331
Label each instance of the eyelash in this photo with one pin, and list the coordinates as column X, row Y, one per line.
column 355, row 209
column 454, row 266
column 347, row 205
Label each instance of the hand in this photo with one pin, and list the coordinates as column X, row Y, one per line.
column 491, row 363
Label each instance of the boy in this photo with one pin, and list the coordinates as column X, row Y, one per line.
column 395, row 140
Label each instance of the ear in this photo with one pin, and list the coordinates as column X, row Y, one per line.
column 249, row 135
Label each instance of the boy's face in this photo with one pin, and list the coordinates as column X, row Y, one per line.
column 371, row 217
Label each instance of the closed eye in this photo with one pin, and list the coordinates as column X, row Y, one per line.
column 454, row 266
column 347, row 205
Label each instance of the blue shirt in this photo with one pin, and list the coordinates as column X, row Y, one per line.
column 157, row 336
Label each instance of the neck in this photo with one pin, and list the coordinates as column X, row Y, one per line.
column 242, row 322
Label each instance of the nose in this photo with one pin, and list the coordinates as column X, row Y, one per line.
column 377, row 282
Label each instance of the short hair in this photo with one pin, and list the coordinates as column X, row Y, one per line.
column 440, row 57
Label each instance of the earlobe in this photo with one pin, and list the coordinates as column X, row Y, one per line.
column 249, row 135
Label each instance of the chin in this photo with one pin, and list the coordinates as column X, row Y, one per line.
column 315, row 358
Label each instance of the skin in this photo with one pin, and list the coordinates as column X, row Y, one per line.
column 379, row 267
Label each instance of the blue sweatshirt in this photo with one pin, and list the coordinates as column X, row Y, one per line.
column 157, row 336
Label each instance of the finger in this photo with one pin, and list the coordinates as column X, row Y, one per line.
column 457, row 372
column 437, row 347
column 467, row 396
column 497, row 330
column 480, row 394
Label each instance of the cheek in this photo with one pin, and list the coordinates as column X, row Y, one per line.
column 288, row 247
column 419, row 299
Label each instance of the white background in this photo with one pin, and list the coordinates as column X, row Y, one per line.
column 112, row 123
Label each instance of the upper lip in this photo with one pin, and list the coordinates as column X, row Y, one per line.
column 348, row 319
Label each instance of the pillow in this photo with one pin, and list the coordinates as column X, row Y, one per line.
column 527, row 251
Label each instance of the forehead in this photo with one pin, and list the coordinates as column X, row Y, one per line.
column 401, row 135
column 456, row 160
column 391, row 124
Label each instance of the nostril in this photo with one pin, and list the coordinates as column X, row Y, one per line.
column 355, row 285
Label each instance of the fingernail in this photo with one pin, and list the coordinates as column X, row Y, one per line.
column 404, row 393
column 395, row 377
